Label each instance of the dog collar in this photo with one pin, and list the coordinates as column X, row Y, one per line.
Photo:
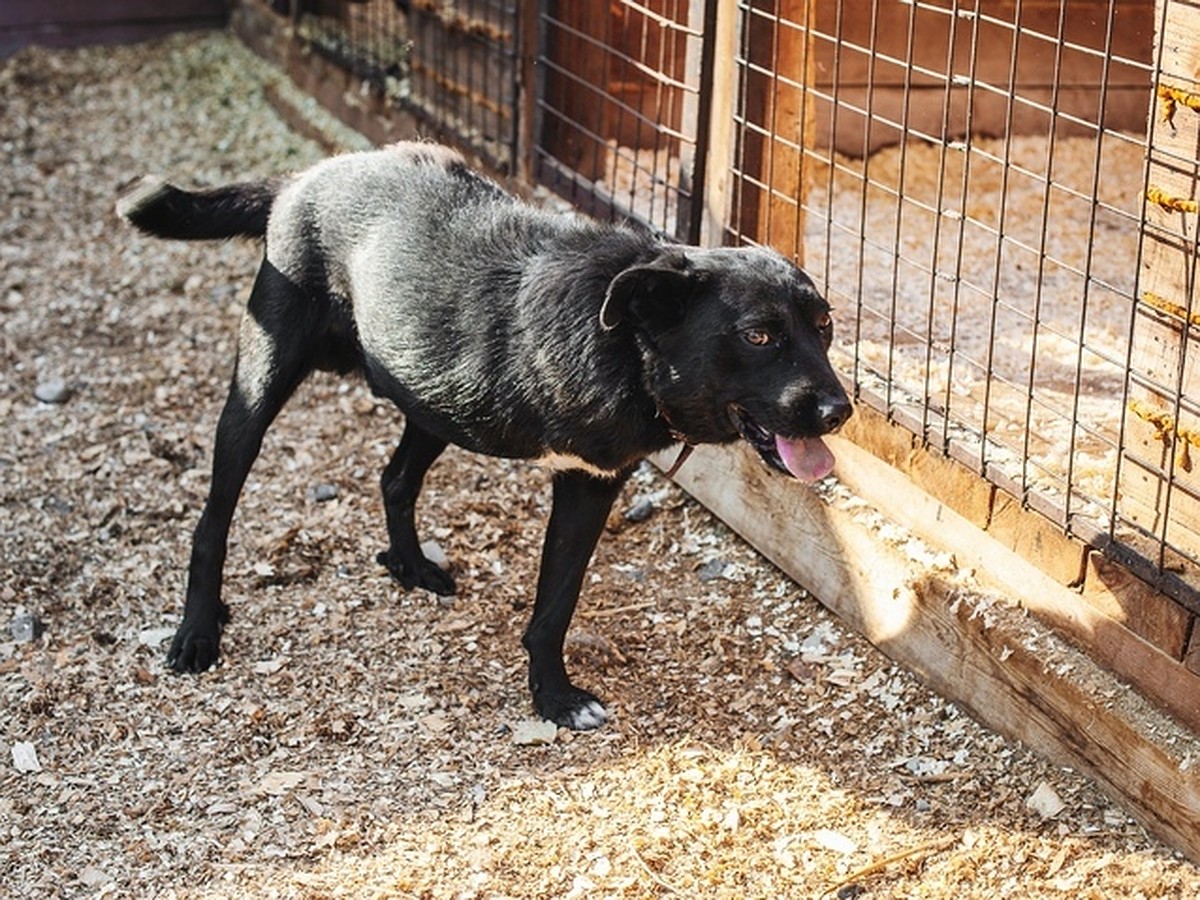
column 676, row 435
column 684, row 452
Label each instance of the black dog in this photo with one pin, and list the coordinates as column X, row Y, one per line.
column 506, row 330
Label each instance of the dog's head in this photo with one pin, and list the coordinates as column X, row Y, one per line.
column 735, row 344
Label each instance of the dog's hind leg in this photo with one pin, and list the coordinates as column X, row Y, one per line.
column 275, row 352
column 580, row 508
column 401, row 484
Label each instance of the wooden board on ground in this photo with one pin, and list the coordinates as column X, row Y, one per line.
column 69, row 23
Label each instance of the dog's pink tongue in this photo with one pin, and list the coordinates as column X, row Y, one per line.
column 806, row 458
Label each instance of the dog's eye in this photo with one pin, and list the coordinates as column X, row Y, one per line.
column 758, row 337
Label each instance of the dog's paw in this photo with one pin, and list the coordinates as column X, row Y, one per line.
column 194, row 648
column 427, row 574
column 572, row 708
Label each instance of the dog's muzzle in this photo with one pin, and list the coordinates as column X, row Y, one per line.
column 805, row 458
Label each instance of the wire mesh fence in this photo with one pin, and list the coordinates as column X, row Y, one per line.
column 1158, row 492
column 464, row 73
column 619, row 108
column 368, row 38
column 966, row 180
column 453, row 65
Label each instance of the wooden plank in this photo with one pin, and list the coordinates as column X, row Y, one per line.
column 947, row 480
column 791, row 126
column 73, row 23
column 1104, row 638
column 779, row 109
column 722, row 139
column 874, row 65
column 64, row 13
column 12, row 40
column 532, row 88
column 298, row 122
column 1123, row 597
column 1037, row 540
column 692, row 73
column 975, row 652
column 1191, row 657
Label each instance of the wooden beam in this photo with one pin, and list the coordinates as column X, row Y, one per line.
column 89, row 12
column 968, row 644
column 778, row 105
column 1104, row 637
column 73, row 23
column 530, row 92
column 721, row 137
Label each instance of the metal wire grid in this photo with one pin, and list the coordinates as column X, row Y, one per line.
column 465, row 74
column 1165, row 545
column 618, row 109
column 986, row 284
column 451, row 63
column 368, row 38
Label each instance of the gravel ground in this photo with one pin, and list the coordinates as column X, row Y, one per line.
column 360, row 741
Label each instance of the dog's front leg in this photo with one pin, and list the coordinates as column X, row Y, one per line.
column 580, row 508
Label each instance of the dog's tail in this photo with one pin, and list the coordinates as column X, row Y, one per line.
column 235, row 210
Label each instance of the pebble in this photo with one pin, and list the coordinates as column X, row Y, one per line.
column 52, row 390
column 642, row 509
column 25, row 627
column 435, row 554
column 712, row 570
column 323, row 493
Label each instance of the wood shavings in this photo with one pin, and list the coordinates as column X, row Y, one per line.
column 25, row 757
column 534, row 732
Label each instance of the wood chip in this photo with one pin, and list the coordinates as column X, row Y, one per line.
column 25, row 757
column 534, row 732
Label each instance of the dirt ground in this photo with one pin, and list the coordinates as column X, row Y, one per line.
column 358, row 741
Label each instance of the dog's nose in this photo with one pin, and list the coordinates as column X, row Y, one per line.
column 834, row 413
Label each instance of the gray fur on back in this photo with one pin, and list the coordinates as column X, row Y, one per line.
column 420, row 250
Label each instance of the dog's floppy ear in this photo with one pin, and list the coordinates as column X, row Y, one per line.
column 651, row 294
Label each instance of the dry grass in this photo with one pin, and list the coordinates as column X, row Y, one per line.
column 358, row 741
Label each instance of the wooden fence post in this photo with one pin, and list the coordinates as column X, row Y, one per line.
column 779, row 123
column 1159, row 487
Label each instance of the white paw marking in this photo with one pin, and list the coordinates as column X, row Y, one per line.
column 591, row 715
